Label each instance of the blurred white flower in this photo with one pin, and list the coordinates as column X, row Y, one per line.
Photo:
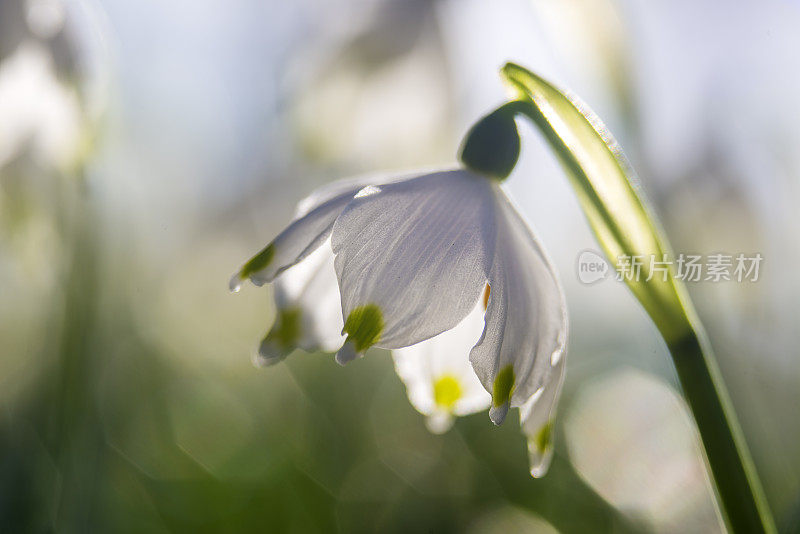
column 438, row 376
column 421, row 262
column 37, row 109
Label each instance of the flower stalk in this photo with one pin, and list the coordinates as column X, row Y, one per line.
column 614, row 205
column 738, row 486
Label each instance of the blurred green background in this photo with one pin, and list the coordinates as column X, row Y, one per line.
column 147, row 148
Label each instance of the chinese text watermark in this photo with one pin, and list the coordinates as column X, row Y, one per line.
column 718, row 267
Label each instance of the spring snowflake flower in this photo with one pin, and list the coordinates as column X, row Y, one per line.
column 440, row 268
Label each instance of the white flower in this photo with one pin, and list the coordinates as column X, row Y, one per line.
column 417, row 260
column 438, row 375
column 37, row 109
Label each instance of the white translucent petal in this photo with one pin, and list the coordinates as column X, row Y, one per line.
column 439, row 422
column 309, row 290
column 319, row 299
column 536, row 418
column 418, row 250
column 420, row 366
column 526, row 321
column 311, row 226
column 354, row 184
column 302, row 237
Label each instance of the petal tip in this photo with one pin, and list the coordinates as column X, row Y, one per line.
column 347, row 353
column 502, row 388
column 539, row 461
column 439, row 422
column 259, row 281
column 540, row 450
column 235, row 283
column 269, row 354
column 498, row 413
column 540, row 466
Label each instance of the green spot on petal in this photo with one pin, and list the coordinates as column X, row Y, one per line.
column 503, row 386
column 544, row 437
column 446, row 391
column 364, row 326
column 286, row 331
column 258, row 262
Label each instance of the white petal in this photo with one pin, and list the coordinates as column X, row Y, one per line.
column 308, row 309
column 412, row 258
column 526, row 322
column 352, row 185
column 347, row 353
column 441, row 361
column 439, row 422
column 311, row 226
column 536, row 418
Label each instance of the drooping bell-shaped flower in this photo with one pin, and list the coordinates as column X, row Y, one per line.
column 438, row 267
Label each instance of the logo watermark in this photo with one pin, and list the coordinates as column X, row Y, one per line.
column 592, row 267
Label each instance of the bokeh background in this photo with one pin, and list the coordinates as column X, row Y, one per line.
column 147, row 148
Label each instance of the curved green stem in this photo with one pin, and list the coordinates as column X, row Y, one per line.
column 624, row 225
